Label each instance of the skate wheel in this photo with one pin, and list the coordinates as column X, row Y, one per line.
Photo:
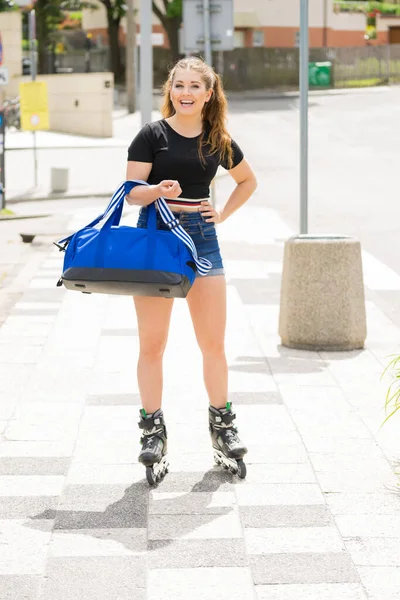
column 151, row 478
column 241, row 469
column 217, row 460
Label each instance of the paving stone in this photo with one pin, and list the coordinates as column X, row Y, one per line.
column 197, row 526
column 189, row 481
column 255, row 398
column 31, row 485
column 119, row 332
column 19, row 538
column 53, row 465
column 279, row 473
column 91, row 578
column 181, row 503
column 113, row 400
column 103, row 507
column 264, row 494
column 333, row 591
column 387, row 526
column 374, row 551
column 280, row 540
column 20, row 587
column 105, row 474
column 316, row 515
column 99, row 542
column 304, row 567
column 37, row 449
column 227, row 583
column 381, row 583
column 195, row 554
column 346, row 503
column 18, row 507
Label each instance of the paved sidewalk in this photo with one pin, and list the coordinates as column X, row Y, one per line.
column 318, row 517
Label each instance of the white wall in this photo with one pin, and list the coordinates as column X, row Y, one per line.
column 93, row 114
column 11, row 35
column 284, row 13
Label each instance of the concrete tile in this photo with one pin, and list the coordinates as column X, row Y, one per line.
column 104, row 474
column 255, row 398
column 103, row 507
column 37, row 449
column 34, row 466
column 179, row 503
column 303, row 568
column 196, row 554
column 381, row 583
column 279, row 473
column 315, row 515
column 264, row 494
column 227, row 583
column 27, row 485
column 119, row 332
column 197, row 526
column 99, row 542
column 280, row 540
column 18, row 539
column 113, row 400
column 347, row 503
column 18, row 507
column 374, row 552
column 191, row 481
column 20, row 587
column 387, row 526
column 321, row 591
column 91, row 578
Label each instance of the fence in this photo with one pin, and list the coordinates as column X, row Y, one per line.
column 265, row 68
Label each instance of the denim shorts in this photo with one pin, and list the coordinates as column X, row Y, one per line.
column 204, row 236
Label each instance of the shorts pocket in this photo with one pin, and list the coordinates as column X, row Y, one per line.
column 208, row 231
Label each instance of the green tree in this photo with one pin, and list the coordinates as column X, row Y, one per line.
column 6, row 5
column 48, row 14
column 171, row 20
column 115, row 9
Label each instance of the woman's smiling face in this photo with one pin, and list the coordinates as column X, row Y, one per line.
column 188, row 92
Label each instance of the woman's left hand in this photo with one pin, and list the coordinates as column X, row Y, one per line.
column 210, row 214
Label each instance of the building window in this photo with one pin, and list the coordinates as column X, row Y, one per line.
column 238, row 38
column 258, row 37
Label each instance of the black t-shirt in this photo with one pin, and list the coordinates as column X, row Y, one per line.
column 174, row 156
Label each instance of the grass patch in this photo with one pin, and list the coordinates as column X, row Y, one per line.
column 6, row 212
column 359, row 83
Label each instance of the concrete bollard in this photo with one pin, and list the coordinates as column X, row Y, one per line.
column 322, row 305
column 59, row 179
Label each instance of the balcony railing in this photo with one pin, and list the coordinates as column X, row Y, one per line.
column 365, row 6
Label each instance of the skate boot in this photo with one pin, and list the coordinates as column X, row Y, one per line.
column 228, row 449
column 153, row 454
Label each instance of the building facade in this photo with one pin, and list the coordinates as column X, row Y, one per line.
column 274, row 24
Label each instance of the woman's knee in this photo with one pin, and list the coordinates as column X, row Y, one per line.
column 152, row 349
column 212, row 348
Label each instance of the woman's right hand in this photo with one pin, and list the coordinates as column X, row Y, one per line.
column 169, row 188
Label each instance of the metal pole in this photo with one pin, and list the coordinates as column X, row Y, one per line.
column 146, row 62
column 303, row 116
column 32, row 37
column 130, row 57
column 207, row 32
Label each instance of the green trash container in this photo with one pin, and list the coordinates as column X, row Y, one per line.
column 320, row 74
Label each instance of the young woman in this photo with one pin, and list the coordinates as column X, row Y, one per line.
column 179, row 156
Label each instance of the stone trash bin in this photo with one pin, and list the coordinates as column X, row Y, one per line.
column 59, row 180
column 322, row 305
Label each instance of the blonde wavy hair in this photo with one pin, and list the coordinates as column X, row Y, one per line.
column 214, row 112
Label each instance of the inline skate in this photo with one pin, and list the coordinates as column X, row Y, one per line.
column 228, row 448
column 153, row 454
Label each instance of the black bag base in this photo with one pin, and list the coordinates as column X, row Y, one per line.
column 126, row 282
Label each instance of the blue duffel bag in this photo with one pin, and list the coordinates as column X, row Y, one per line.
column 118, row 259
